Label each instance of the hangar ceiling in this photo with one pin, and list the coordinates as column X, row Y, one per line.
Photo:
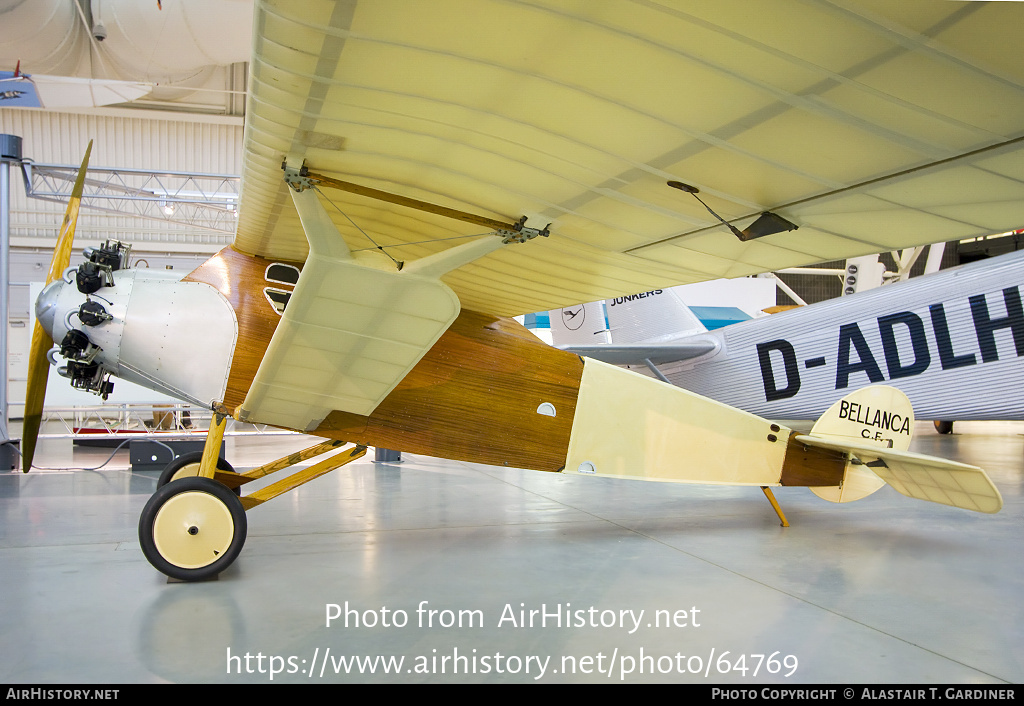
column 190, row 55
column 192, row 52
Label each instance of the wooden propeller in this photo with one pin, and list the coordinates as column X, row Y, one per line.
column 38, row 365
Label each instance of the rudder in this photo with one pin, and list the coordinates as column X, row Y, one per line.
column 879, row 415
column 874, row 426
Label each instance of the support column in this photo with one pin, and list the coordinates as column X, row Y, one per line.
column 10, row 154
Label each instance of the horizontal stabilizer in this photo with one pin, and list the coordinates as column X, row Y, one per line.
column 923, row 477
column 639, row 353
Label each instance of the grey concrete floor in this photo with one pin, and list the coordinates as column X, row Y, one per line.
column 438, row 566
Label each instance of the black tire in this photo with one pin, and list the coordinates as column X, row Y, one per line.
column 943, row 427
column 172, row 469
column 192, row 529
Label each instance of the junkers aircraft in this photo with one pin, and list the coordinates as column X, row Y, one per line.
column 428, row 170
column 952, row 341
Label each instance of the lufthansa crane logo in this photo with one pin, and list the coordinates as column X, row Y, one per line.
column 573, row 317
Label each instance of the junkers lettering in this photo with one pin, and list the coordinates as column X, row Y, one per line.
column 856, row 361
column 634, row 297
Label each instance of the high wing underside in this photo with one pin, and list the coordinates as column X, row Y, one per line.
column 869, row 124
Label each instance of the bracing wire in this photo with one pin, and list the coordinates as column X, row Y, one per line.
column 376, row 245
column 381, row 248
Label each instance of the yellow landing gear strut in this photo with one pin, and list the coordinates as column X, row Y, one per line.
column 775, row 505
column 194, row 525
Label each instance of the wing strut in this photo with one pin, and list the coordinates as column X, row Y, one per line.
column 657, row 373
column 352, row 331
column 511, row 231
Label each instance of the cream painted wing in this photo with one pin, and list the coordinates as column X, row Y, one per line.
column 870, row 124
column 352, row 329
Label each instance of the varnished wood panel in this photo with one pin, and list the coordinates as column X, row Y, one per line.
column 811, row 466
column 241, row 279
column 473, row 397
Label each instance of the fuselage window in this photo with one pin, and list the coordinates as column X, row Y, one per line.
column 284, row 274
column 278, row 298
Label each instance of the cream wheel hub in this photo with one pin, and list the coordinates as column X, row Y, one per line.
column 188, row 471
column 193, row 529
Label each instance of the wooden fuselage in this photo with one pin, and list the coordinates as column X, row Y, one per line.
column 473, row 397
column 477, row 395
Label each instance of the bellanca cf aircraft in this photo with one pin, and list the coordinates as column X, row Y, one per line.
column 416, row 173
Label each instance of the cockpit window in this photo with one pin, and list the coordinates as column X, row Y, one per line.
column 278, row 298
column 285, row 274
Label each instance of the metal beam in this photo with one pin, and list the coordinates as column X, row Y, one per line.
column 207, row 201
column 10, row 154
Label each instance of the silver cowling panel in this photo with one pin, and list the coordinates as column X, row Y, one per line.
column 174, row 337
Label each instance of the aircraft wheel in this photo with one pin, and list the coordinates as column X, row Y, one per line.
column 187, row 466
column 192, row 529
column 943, row 427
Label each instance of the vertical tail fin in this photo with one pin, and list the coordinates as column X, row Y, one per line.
column 648, row 317
column 651, row 317
column 583, row 324
column 876, row 416
column 874, row 426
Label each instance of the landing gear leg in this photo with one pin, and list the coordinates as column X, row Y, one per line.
column 194, row 525
column 211, row 451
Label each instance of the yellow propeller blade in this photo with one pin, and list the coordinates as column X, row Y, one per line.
column 38, row 366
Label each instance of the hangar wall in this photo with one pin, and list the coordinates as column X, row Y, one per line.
column 123, row 138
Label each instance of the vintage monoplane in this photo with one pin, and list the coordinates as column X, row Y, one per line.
column 417, row 173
